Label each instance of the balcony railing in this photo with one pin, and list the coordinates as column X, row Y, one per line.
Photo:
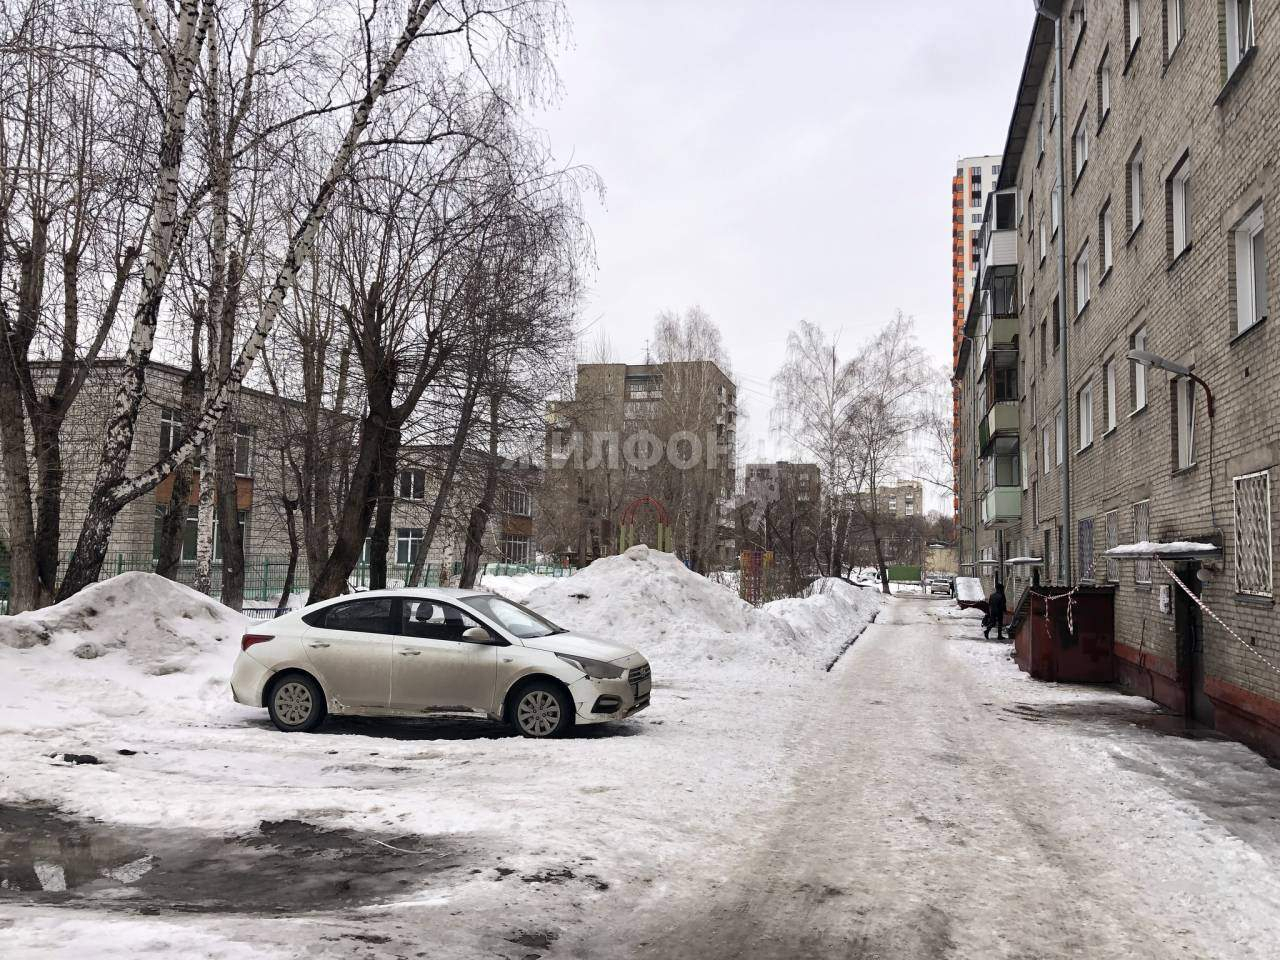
column 999, row 239
column 1001, row 419
column 1001, row 506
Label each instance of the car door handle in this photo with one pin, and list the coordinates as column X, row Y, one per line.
column 317, row 644
column 410, row 653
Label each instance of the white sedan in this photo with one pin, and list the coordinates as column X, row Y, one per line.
column 416, row 652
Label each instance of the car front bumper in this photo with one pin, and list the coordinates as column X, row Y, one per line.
column 598, row 701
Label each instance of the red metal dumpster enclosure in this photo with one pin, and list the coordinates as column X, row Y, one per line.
column 1051, row 643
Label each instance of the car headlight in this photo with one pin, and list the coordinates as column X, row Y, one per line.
column 595, row 669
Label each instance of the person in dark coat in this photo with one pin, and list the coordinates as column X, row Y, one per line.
column 995, row 613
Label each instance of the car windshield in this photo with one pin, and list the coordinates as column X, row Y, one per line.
column 513, row 617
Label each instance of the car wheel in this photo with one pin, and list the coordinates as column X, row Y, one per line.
column 541, row 710
column 296, row 704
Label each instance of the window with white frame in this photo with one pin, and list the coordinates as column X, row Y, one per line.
column 1046, row 450
column 1084, row 407
column 1055, row 209
column 1109, row 395
column 1252, row 493
column 408, row 543
column 1133, row 22
column 1104, row 89
column 1174, row 27
column 518, row 502
column 516, row 548
column 1061, row 424
column 1080, row 144
column 170, row 429
column 1105, row 236
column 1082, row 280
column 1138, row 371
column 1113, row 540
column 1044, row 241
column 413, row 484
column 1077, row 22
column 1141, row 533
column 1040, row 135
column 1135, row 189
column 1180, row 207
column 1240, row 33
column 1185, row 423
column 1251, row 270
column 244, row 449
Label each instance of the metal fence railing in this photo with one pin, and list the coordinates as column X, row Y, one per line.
column 517, row 569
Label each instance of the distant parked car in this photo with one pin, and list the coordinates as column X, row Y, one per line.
column 940, row 584
column 410, row 653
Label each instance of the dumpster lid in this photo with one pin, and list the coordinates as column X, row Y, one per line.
column 1174, row 550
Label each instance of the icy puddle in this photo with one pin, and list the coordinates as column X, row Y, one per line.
column 286, row 867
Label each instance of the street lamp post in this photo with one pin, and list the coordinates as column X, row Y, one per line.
column 1149, row 359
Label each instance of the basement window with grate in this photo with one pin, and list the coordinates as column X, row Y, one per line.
column 1253, row 533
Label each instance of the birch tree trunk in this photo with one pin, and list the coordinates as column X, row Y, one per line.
column 479, row 520
column 112, row 492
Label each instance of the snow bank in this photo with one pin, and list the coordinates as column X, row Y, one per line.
column 680, row 619
column 518, row 587
column 969, row 590
column 126, row 645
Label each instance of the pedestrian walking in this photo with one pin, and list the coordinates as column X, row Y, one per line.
column 995, row 613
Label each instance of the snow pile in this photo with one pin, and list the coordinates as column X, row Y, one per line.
column 517, row 587
column 678, row 619
column 1175, row 549
column 124, row 646
column 829, row 614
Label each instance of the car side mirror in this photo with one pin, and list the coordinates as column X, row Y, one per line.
column 477, row 635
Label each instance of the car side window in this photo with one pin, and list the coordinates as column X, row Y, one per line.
column 433, row 620
column 360, row 616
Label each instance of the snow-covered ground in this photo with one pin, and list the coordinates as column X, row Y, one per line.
column 535, row 836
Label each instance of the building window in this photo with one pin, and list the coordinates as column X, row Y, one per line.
column 244, row 450
column 1046, row 450
column 1180, row 207
column 1135, row 189
column 1040, row 135
column 1078, row 22
column 1057, row 323
column 1109, row 394
column 1142, row 533
column 191, row 533
column 1133, row 23
column 1105, row 236
column 1251, row 271
column 1113, row 540
column 1173, row 27
column 408, row 543
column 1185, row 422
column 1138, row 371
column 1080, row 144
column 1055, row 209
column 1084, row 547
column 1084, row 406
column 1253, row 533
column 1240, row 33
column 516, row 548
column 170, row 429
column 1044, row 241
column 1082, row 280
column 413, row 484
column 1044, row 342
column 1104, row 90
column 518, row 502
column 1061, row 423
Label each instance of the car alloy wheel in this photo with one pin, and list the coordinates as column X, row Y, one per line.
column 293, row 703
column 538, row 713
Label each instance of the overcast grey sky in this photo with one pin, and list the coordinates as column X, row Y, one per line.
column 774, row 162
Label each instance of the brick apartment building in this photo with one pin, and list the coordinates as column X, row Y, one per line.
column 1171, row 122
column 266, row 430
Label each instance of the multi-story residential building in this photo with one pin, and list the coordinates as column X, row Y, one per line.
column 898, row 500
column 641, row 445
column 973, row 182
column 782, row 495
column 266, row 432
column 1153, row 239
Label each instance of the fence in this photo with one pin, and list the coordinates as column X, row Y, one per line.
column 264, row 576
column 517, row 569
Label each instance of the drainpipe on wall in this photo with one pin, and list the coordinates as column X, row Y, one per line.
column 1053, row 11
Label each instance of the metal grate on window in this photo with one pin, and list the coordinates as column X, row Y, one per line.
column 1084, row 545
column 1253, row 533
column 1141, row 532
column 1113, row 540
